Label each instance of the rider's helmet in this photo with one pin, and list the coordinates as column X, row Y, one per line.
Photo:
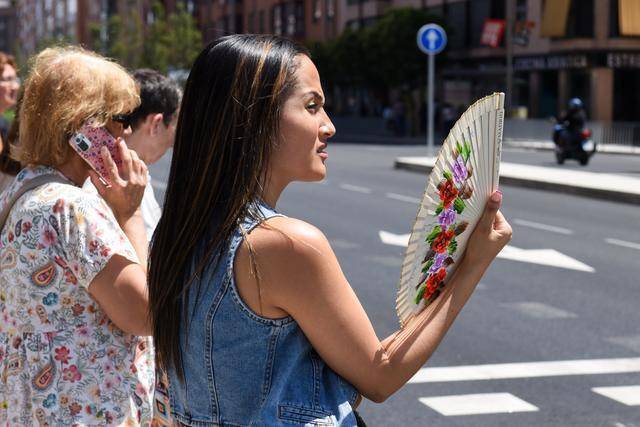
column 575, row 104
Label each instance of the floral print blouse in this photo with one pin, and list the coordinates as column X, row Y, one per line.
column 62, row 361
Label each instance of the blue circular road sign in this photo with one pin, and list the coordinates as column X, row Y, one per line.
column 432, row 39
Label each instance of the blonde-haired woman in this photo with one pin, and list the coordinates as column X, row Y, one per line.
column 73, row 298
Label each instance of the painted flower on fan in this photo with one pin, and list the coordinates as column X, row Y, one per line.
column 434, row 282
column 448, row 193
column 446, row 218
column 441, row 242
column 459, row 170
column 438, row 262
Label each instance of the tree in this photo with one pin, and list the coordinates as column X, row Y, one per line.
column 185, row 39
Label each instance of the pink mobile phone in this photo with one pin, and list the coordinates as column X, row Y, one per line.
column 88, row 141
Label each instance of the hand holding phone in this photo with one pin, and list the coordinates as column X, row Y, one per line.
column 88, row 142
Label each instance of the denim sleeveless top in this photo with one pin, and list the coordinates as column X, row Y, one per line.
column 242, row 369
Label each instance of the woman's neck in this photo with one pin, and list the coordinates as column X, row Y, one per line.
column 272, row 191
column 75, row 169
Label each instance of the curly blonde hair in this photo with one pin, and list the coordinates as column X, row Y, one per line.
column 65, row 87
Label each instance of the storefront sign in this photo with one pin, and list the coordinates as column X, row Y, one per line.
column 552, row 62
column 492, row 32
column 623, row 60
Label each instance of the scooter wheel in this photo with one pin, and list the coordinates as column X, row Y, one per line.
column 560, row 158
column 584, row 160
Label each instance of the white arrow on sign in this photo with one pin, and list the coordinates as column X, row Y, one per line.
column 549, row 257
column 432, row 38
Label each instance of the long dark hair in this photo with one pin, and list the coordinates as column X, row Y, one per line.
column 227, row 129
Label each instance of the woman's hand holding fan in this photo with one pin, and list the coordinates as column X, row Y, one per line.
column 463, row 178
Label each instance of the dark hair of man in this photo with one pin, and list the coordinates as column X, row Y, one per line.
column 226, row 133
column 158, row 94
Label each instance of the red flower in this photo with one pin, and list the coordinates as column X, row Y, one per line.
column 75, row 408
column 62, row 354
column 77, row 309
column 10, row 237
column 442, row 241
column 70, row 277
column 448, row 193
column 104, row 251
column 26, row 226
column 434, row 282
column 71, row 374
column 93, row 246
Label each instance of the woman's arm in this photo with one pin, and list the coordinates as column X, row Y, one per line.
column 121, row 286
column 300, row 275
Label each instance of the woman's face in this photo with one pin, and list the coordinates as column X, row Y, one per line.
column 8, row 88
column 304, row 130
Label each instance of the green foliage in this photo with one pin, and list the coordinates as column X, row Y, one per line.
column 453, row 247
column 448, row 176
column 380, row 56
column 459, row 205
column 434, row 233
column 428, row 265
column 420, row 294
column 168, row 42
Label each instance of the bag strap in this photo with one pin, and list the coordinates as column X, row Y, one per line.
column 26, row 186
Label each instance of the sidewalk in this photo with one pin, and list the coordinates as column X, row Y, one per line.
column 549, row 146
column 612, row 187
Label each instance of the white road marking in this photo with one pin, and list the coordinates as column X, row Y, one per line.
column 394, row 239
column 526, row 370
column 403, row 198
column 473, row 404
column 540, row 311
column 549, row 257
column 623, row 243
column 540, row 226
column 357, row 189
column 628, row 395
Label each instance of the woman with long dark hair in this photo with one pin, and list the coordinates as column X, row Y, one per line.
column 252, row 316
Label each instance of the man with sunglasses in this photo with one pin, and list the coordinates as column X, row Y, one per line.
column 153, row 129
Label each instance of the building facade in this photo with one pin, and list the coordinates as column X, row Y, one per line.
column 561, row 49
column 302, row 20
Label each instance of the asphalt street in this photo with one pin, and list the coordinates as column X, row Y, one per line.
column 522, row 312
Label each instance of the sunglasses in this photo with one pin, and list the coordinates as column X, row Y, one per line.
column 123, row 119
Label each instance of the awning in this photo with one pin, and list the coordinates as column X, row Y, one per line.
column 554, row 18
column 629, row 17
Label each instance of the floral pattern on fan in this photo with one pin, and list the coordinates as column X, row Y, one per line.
column 453, row 189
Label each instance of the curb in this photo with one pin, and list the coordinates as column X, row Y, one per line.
column 549, row 146
column 518, row 181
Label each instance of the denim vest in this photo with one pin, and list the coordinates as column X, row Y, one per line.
column 242, row 369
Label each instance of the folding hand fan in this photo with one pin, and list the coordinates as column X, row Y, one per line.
column 465, row 174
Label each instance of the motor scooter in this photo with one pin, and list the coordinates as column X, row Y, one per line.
column 573, row 145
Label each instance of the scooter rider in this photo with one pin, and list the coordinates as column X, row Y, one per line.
column 575, row 119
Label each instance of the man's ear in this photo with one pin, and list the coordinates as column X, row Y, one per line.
column 155, row 121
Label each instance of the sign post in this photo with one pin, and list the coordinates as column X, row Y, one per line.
column 431, row 39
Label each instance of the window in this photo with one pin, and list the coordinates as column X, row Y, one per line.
column 277, row 19
column 580, row 20
column 317, row 10
column 331, row 9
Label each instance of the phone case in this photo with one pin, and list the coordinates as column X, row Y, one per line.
column 88, row 142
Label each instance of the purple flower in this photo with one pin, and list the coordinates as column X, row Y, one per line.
column 459, row 170
column 438, row 262
column 446, row 218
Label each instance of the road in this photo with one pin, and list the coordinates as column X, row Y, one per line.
column 521, row 313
